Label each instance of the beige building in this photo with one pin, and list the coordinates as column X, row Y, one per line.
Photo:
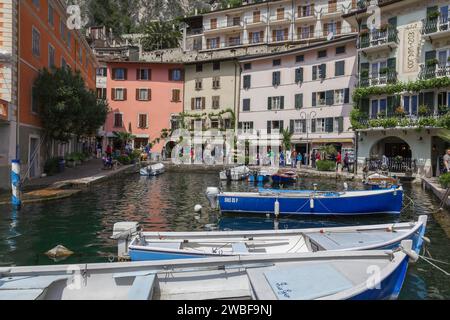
column 211, row 93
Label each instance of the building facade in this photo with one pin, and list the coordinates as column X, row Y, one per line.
column 144, row 99
column 306, row 91
column 40, row 39
column 404, row 87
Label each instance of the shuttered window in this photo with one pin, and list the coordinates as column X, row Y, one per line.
column 176, row 95
column 298, row 75
column 246, row 105
column 247, row 81
column 276, row 78
column 339, row 69
column 143, row 121
column 299, row 101
column 118, row 122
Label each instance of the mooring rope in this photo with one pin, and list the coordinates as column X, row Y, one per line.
column 434, row 265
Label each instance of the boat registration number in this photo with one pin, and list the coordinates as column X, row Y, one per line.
column 231, row 200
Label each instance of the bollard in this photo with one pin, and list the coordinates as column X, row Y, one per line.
column 15, row 184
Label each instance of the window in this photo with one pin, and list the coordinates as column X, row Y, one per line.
column 198, row 84
column 62, row 30
column 199, row 67
column 101, row 72
column 197, row 103
column 323, row 125
column 322, row 54
column 276, row 78
column 247, row 82
column 63, row 63
column 298, row 75
column 306, row 11
column 443, row 99
column 340, row 50
column 216, row 83
column 51, row 18
column 118, row 121
column 212, row 43
column 214, row 124
column 280, row 13
column 36, row 3
column 101, row 93
column 119, row 94
column 119, row 74
column 339, row 96
column 34, row 101
column 51, row 56
column 274, row 125
column 36, row 42
column 247, row 66
column 176, row 95
column 339, row 68
column 143, row 121
column 319, row 71
column 143, row 74
column 175, row 75
column 213, row 23
column 247, row 126
column 275, row 103
column 378, row 107
column 299, row 126
column 256, row 37
column 246, row 105
column 378, row 72
column 300, row 58
column 143, row 94
column 216, row 102
column 411, row 104
column 306, row 32
column 216, row 65
column 276, row 62
column 299, row 101
column 281, row 35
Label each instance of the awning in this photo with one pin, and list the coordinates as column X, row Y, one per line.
column 142, row 136
column 347, row 140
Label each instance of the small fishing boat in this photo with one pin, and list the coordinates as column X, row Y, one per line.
column 153, row 170
column 380, row 181
column 311, row 276
column 235, row 174
column 309, row 202
column 289, row 176
column 145, row 246
column 261, row 175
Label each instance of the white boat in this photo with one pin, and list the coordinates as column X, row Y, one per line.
column 235, row 174
column 146, row 246
column 153, row 170
column 310, row 276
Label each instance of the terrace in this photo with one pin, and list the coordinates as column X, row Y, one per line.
column 384, row 77
column 436, row 28
column 378, row 40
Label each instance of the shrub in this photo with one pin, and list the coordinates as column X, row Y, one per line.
column 136, row 154
column 51, row 166
column 326, row 165
column 125, row 160
column 444, row 180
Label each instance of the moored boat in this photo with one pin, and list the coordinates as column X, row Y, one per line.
column 289, row 176
column 380, row 181
column 146, row 246
column 235, row 174
column 153, row 170
column 310, row 276
column 310, row 202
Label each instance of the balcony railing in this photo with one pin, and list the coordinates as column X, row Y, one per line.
column 253, row 20
column 224, row 24
column 393, row 164
column 434, row 25
column 378, row 37
column 308, row 35
column 378, row 79
column 284, row 17
column 434, row 71
column 225, row 44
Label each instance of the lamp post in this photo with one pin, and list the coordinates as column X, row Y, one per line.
column 312, row 115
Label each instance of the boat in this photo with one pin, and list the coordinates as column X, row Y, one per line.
column 380, row 181
column 311, row 276
column 153, row 170
column 289, row 176
column 309, row 202
column 261, row 175
column 146, row 246
column 235, row 174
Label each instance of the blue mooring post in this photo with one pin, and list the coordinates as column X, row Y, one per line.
column 15, row 184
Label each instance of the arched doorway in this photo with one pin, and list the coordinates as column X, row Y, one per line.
column 169, row 147
column 391, row 154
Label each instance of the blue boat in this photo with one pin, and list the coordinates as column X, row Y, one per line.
column 310, row 202
column 150, row 246
column 284, row 177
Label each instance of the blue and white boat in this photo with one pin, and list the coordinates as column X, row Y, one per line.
column 146, row 246
column 283, row 177
column 308, row 276
column 262, row 175
column 153, row 170
column 309, row 202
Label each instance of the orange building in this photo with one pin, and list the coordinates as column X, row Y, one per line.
column 44, row 41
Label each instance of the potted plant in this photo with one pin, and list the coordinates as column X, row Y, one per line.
column 381, row 115
column 70, row 161
column 384, row 71
column 433, row 15
column 400, row 112
column 423, row 110
column 432, row 62
column 398, row 159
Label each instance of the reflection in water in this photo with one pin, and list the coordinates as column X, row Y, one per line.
column 84, row 222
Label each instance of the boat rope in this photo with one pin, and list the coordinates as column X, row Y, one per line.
column 298, row 241
column 434, row 265
column 409, row 204
column 329, row 211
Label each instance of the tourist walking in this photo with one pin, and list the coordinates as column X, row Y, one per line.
column 338, row 161
column 447, row 161
column 99, row 150
column 346, row 163
column 299, row 160
column 294, row 159
column 108, row 151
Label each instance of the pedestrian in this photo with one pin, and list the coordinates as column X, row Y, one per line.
column 282, row 159
column 313, row 159
column 299, row 159
column 447, row 161
column 108, row 151
column 346, row 162
column 99, row 150
column 294, row 159
column 338, row 161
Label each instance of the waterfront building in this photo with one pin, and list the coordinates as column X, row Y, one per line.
column 33, row 36
column 306, row 91
column 145, row 99
column 404, row 87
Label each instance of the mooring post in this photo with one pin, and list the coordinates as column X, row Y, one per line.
column 16, row 200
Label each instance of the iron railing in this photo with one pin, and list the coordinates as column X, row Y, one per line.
column 378, row 37
column 388, row 77
column 393, row 164
column 433, row 25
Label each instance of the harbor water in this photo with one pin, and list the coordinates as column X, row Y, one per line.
column 84, row 222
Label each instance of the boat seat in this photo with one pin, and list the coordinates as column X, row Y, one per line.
column 239, row 247
column 142, row 288
column 133, row 274
column 31, row 294
column 29, row 282
column 340, row 240
column 168, row 245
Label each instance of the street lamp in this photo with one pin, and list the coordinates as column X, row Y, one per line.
column 312, row 115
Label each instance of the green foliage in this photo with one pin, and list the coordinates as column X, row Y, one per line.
column 286, row 139
column 136, row 154
column 125, row 160
column 160, row 35
column 51, row 166
column 329, row 150
column 76, row 156
column 444, row 180
column 66, row 106
column 326, row 165
column 122, row 138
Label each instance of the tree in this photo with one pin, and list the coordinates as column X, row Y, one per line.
column 66, row 107
column 122, row 138
column 161, row 35
column 286, row 137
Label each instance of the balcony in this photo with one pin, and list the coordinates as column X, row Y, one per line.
column 4, row 111
column 436, row 28
column 301, row 16
column 384, row 78
column 434, row 71
column 255, row 21
column 378, row 40
column 225, row 44
column 320, row 35
column 394, row 164
column 280, row 19
column 194, row 32
column 229, row 25
column 332, row 10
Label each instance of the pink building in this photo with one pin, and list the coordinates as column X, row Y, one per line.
column 145, row 98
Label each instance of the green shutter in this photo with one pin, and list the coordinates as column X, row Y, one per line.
column 329, row 96
column 313, row 125
column 364, row 106
column 269, row 103
column 299, row 75
column 323, row 71
column 281, row 102
column 347, row 95
column 314, row 72
column 299, row 101
column 291, row 126
column 269, row 127
column 313, row 100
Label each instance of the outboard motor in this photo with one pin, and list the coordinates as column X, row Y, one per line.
column 228, row 174
column 211, row 195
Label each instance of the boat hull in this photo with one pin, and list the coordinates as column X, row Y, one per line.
column 388, row 202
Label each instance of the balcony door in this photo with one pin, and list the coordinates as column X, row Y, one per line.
column 280, row 13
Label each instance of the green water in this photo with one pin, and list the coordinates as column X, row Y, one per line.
column 84, row 222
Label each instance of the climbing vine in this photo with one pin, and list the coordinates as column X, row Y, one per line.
column 210, row 115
